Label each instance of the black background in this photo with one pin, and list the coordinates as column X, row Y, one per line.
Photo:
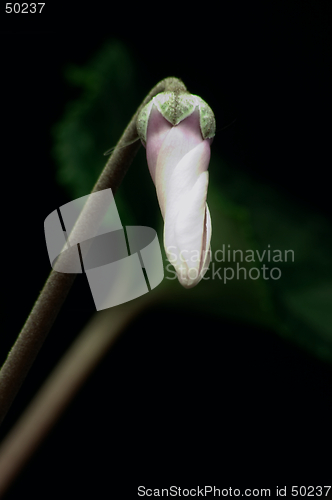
column 199, row 413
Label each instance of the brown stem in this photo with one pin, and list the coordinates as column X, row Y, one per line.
column 64, row 382
column 57, row 286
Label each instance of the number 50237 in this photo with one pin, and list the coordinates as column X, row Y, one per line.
column 24, row 8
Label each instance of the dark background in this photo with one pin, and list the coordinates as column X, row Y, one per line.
column 176, row 416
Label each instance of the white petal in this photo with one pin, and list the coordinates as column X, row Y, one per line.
column 206, row 250
column 188, row 236
column 184, row 177
column 189, row 225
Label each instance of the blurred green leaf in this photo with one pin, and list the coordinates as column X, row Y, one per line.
column 302, row 297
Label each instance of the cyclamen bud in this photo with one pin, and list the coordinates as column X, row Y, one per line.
column 177, row 129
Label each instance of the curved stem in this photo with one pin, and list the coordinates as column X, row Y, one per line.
column 87, row 350
column 57, row 286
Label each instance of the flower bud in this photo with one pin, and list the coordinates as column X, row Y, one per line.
column 177, row 129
